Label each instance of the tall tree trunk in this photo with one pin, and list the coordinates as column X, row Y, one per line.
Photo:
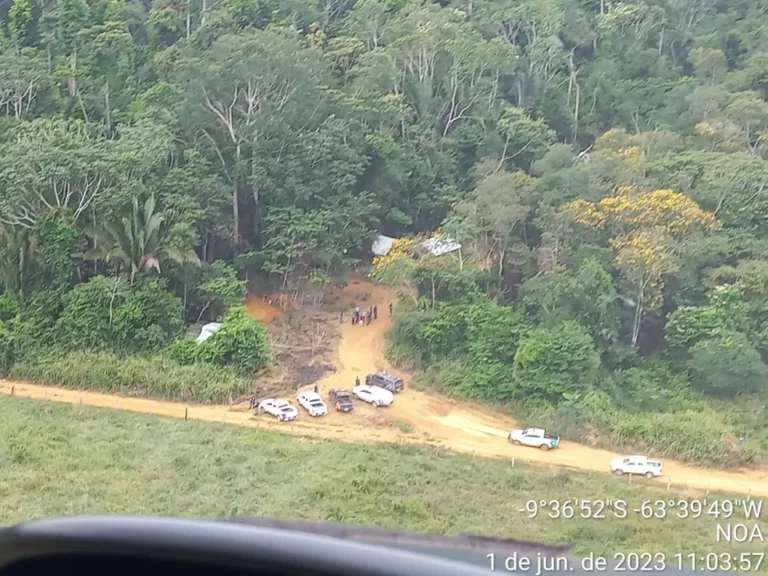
column 189, row 19
column 71, row 82
column 107, row 106
column 235, row 203
column 434, row 295
column 257, row 215
column 638, row 311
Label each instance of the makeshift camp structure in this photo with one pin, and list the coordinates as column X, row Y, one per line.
column 440, row 246
column 435, row 246
column 382, row 245
column 208, row 331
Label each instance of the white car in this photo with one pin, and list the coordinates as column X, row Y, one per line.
column 279, row 408
column 373, row 395
column 637, row 465
column 312, row 403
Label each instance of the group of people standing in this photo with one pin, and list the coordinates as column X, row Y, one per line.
column 364, row 317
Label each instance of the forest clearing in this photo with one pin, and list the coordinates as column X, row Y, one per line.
column 457, row 426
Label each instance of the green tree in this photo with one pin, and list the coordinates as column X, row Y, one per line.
column 58, row 250
column 48, row 164
column 587, row 296
column 727, row 365
column 241, row 342
column 233, row 88
column 107, row 314
column 138, row 240
column 23, row 76
column 727, row 311
column 556, row 363
column 221, row 287
column 19, row 19
column 495, row 212
column 18, row 262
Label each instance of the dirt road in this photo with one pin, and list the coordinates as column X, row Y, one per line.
column 428, row 418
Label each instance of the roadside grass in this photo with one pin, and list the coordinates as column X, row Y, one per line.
column 135, row 376
column 61, row 460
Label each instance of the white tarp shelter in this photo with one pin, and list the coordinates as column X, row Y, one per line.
column 435, row 246
column 440, row 246
column 208, row 331
column 381, row 245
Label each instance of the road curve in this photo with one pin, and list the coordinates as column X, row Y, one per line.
column 415, row 417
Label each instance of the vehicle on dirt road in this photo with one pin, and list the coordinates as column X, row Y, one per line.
column 312, row 403
column 279, row 408
column 384, row 380
column 341, row 399
column 373, row 395
column 637, row 465
column 536, row 437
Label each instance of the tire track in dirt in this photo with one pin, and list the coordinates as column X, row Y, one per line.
column 437, row 421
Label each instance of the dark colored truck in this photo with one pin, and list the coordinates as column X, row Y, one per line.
column 341, row 399
column 386, row 381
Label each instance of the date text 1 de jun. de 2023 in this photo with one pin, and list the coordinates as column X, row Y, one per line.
column 632, row 562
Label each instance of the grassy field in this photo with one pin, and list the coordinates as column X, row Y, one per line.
column 59, row 459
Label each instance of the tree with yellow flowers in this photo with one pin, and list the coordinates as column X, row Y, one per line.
column 397, row 266
column 647, row 229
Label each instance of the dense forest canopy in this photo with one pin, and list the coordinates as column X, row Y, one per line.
column 604, row 165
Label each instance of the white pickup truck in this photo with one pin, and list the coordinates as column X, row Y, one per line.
column 637, row 465
column 536, row 437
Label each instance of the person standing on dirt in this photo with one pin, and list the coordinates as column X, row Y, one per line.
column 341, row 317
column 315, row 388
column 390, row 308
column 357, row 380
column 368, row 317
column 375, row 312
column 253, row 401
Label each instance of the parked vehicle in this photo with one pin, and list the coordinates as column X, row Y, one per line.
column 279, row 408
column 386, row 381
column 312, row 403
column 536, row 437
column 373, row 395
column 637, row 465
column 341, row 399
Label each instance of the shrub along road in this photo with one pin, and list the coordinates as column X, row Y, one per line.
column 453, row 425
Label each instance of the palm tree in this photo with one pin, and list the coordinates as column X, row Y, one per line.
column 137, row 241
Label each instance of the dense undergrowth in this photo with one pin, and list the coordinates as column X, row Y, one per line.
column 110, row 334
column 481, row 349
column 146, row 376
